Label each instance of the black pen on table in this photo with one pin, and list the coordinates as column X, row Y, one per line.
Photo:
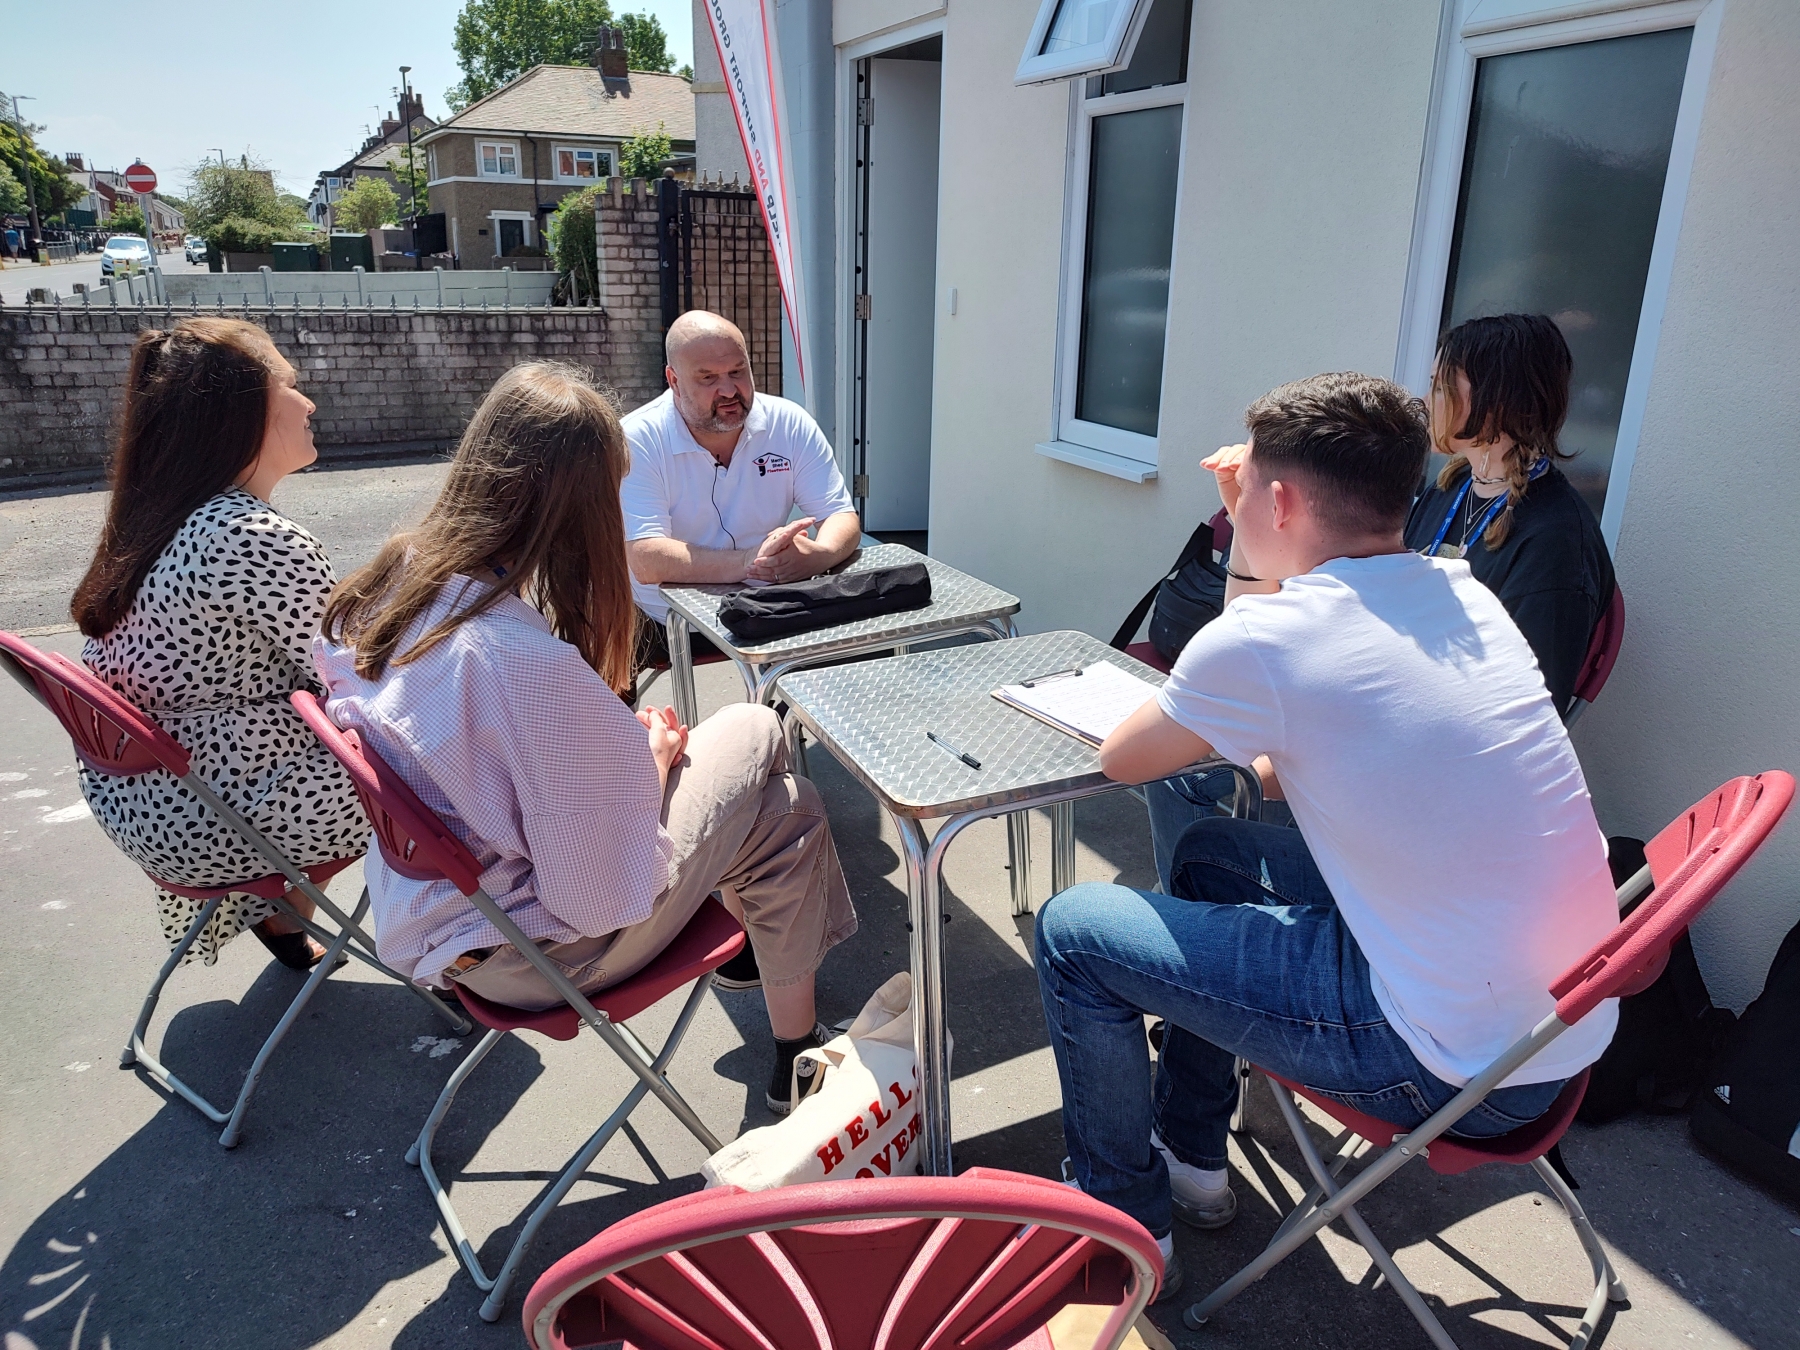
column 964, row 756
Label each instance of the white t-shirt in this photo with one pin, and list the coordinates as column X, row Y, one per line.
column 676, row 489
column 1431, row 778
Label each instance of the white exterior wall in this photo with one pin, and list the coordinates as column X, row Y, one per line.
column 718, row 150
column 1305, row 126
column 1705, row 688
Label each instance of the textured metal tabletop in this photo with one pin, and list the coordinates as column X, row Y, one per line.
column 873, row 716
column 958, row 601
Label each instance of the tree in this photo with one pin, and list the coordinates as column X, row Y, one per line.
column 646, row 44
column 245, row 190
column 498, row 40
column 12, row 193
column 126, row 218
column 686, row 73
column 572, row 240
column 643, row 152
column 369, row 203
column 414, row 195
column 49, row 176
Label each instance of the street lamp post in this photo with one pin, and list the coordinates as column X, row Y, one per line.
column 412, row 172
column 37, row 230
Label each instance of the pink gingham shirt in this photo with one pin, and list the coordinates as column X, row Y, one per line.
column 537, row 766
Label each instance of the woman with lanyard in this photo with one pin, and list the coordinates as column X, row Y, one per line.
column 1499, row 395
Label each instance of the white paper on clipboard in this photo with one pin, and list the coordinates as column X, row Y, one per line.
column 1088, row 706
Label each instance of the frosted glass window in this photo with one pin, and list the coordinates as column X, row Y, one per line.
column 1562, row 185
column 1080, row 23
column 1132, row 176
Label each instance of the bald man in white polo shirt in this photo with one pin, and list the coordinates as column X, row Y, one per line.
column 717, row 469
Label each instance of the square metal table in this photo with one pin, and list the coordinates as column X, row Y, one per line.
column 959, row 604
column 873, row 717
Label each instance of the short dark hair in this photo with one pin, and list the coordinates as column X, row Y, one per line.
column 1357, row 445
column 1518, row 367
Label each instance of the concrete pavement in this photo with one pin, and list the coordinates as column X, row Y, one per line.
column 18, row 278
column 125, row 1225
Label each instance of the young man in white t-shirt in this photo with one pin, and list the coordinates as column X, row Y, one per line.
column 717, row 469
column 1447, row 866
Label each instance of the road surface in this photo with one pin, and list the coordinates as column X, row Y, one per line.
column 18, row 278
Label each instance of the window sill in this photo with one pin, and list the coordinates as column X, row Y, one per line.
column 1100, row 461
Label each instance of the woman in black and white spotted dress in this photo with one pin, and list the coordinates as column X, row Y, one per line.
column 200, row 607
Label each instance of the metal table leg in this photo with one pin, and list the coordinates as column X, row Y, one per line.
column 681, row 670
column 931, row 1035
column 1246, row 804
column 1018, row 859
column 1062, row 847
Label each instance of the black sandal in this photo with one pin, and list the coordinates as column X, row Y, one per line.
column 291, row 949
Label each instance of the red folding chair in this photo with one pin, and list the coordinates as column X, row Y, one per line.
column 980, row 1261
column 1689, row 862
column 1602, row 654
column 111, row 736
column 418, row 845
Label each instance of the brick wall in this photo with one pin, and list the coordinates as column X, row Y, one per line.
column 378, row 377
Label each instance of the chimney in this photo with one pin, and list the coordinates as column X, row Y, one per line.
column 412, row 107
column 609, row 54
column 388, row 127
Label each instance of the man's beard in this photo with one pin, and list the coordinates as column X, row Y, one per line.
column 714, row 424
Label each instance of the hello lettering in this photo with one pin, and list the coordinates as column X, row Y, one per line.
column 868, row 1125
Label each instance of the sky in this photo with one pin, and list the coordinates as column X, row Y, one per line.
column 296, row 85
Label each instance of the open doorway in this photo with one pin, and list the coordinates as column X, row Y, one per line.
column 895, row 197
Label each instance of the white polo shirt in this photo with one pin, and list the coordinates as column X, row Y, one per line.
column 677, row 490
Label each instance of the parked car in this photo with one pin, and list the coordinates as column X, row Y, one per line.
column 196, row 249
column 124, row 253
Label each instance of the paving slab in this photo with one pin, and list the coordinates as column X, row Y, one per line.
column 124, row 1224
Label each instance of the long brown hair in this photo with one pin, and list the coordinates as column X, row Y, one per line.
column 1519, row 368
column 534, row 487
column 196, row 405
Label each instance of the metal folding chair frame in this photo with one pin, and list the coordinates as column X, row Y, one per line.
column 651, row 1071
column 336, row 945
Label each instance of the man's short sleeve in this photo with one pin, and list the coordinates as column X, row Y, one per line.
column 644, row 495
column 1221, row 691
column 819, row 489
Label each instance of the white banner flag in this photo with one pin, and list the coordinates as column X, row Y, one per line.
column 743, row 33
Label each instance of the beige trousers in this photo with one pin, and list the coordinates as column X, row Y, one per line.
column 743, row 826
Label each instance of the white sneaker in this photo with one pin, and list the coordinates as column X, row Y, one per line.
column 1198, row 1199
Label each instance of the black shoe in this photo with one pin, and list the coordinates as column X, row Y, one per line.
column 781, row 1081
column 740, row 972
column 1158, row 1029
column 293, row 950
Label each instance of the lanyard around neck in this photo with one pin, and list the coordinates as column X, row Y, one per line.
column 1537, row 471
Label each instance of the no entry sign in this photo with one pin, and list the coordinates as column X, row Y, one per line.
column 141, row 178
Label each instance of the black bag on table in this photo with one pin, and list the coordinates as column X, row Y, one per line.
column 1750, row 1116
column 1183, row 602
column 776, row 611
column 1668, row 1034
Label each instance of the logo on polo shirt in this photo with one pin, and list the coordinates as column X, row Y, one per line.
column 771, row 463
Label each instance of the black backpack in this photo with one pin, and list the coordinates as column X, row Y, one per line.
column 1750, row 1116
column 1668, row 1034
column 1186, row 600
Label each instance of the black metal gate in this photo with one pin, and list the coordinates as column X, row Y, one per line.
column 715, row 256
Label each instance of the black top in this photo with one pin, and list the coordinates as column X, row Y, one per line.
column 1553, row 573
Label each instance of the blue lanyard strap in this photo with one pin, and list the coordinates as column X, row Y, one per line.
column 1537, row 471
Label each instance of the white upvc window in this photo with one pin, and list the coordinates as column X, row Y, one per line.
column 497, row 159
column 1126, row 137
column 431, row 169
column 581, row 163
column 1557, row 168
column 1081, row 37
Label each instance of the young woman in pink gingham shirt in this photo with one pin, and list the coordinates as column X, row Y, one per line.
column 480, row 655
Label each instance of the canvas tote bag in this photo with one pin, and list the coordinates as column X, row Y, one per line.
column 861, row 1118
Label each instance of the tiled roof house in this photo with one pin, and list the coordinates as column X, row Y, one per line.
column 501, row 165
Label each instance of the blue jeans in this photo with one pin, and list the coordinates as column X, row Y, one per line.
column 1176, row 803
column 1248, row 957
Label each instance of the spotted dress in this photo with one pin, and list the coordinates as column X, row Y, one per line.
column 218, row 637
